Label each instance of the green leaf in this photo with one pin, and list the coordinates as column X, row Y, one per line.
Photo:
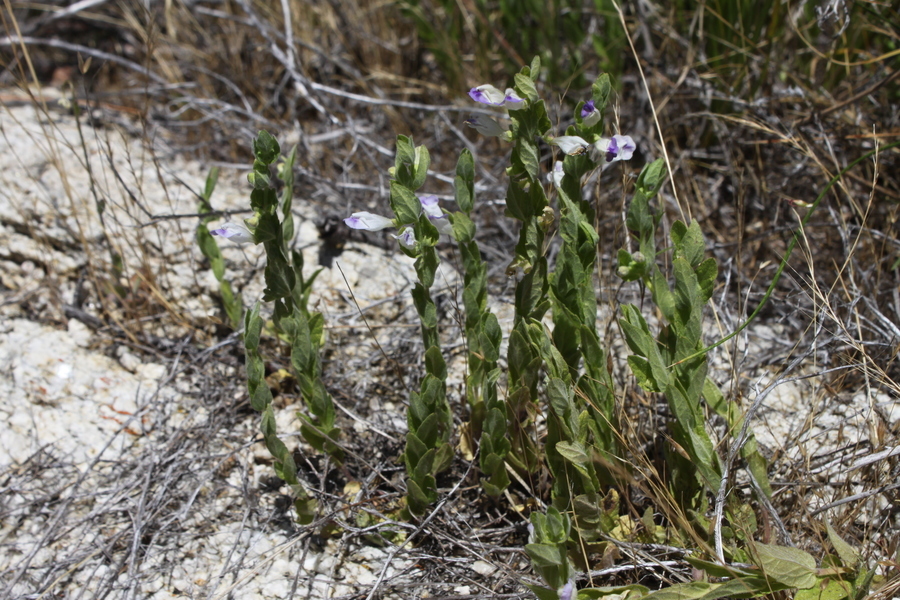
column 463, row 227
column 525, row 86
column 259, row 181
column 574, row 453
column 535, row 70
column 415, row 450
column 530, row 158
column 560, row 395
column 266, row 148
column 706, row 273
column 789, row 566
column 267, row 230
column 208, row 188
column 633, row 591
column 652, row 178
column 689, row 243
column 210, row 250
column 543, row 593
column 405, row 204
column 715, row 569
column 420, row 167
column 545, row 555
column 600, row 91
column 435, row 364
column 406, row 152
column 640, row 366
column 849, row 555
column 491, row 337
column 637, row 335
column 688, row 305
column 426, row 266
column 464, row 184
column 639, row 219
column 252, row 328
column 862, row 583
column 828, row 589
column 683, row 591
column 428, row 432
column 418, row 499
column 443, row 457
column 232, row 305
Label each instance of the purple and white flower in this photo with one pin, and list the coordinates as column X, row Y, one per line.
column 486, row 126
column 406, row 237
column 234, row 232
column 590, row 116
column 435, row 214
column 488, row 94
column 368, row 221
column 618, row 147
column 570, row 144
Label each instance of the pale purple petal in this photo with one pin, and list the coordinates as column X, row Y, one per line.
column 570, row 144
column 625, row 146
column 234, row 232
column 618, row 147
column 430, row 206
column 487, row 94
column 406, row 237
column 486, row 126
column 368, row 221
column 567, row 592
column 512, row 101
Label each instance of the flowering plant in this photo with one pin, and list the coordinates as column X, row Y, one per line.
column 554, row 413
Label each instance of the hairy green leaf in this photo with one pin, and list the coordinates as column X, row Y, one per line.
column 789, row 566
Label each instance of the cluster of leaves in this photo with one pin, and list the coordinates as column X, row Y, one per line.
column 428, row 418
column 292, row 320
column 483, row 336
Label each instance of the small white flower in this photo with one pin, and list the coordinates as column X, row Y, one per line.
column 570, row 144
column 406, row 237
column 368, row 221
column 234, row 232
column 435, row 214
column 487, row 94
column 430, row 206
column 556, row 175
